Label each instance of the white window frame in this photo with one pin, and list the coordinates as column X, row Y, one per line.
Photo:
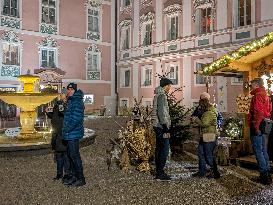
column 238, row 17
column 50, row 7
column 122, row 77
column 124, row 99
column 18, row 54
column 235, row 81
column 55, row 50
column 168, row 26
column 174, row 65
column 236, row 13
column 19, row 9
column 99, row 10
column 145, row 100
column 198, row 19
column 202, row 61
column 57, row 16
column 144, row 33
column 93, row 50
column 122, row 3
column 143, row 76
column 123, row 37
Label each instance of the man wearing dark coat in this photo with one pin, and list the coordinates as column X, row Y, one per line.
column 73, row 131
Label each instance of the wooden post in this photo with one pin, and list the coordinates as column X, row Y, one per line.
column 246, row 130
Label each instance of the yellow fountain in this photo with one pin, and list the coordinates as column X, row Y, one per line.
column 28, row 101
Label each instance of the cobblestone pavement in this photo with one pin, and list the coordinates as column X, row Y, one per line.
column 28, row 180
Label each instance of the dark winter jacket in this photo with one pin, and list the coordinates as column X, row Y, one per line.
column 260, row 108
column 57, row 117
column 73, row 117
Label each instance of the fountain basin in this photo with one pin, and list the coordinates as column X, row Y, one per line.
column 27, row 101
column 15, row 147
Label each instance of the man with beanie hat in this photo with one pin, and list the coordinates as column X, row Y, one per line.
column 161, row 124
column 73, row 131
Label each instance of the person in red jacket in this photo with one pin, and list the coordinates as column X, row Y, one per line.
column 260, row 108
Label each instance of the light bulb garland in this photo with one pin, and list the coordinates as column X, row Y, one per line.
column 237, row 54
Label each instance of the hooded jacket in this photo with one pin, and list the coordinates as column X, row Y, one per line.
column 73, row 117
column 160, row 113
column 260, row 108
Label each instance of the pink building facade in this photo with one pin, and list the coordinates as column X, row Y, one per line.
column 177, row 37
column 63, row 41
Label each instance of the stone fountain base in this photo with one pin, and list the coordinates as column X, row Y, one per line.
column 14, row 146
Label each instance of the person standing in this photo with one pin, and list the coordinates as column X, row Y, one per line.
column 260, row 108
column 73, row 131
column 60, row 149
column 206, row 118
column 161, row 126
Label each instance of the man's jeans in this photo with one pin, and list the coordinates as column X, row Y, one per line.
column 63, row 164
column 205, row 156
column 260, row 151
column 161, row 151
column 73, row 152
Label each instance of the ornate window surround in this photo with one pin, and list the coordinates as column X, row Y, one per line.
column 125, row 9
column 48, row 44
column 145, row 19
column 123, row 25
column 94, row 5
column 10, row 37
column 172, row 11
column 204, row 4
column 146, row 3
column 49, row 28
column 93, row 49
column 9, row 21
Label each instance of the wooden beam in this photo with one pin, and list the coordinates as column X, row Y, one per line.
column 239, row 66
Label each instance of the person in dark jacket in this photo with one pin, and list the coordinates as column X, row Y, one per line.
column 57, row 143
column 161, row 126
column 73, row 131
column 260, row 108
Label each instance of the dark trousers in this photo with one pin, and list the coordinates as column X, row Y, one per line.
column 206, row 156
column 63, row 165
column 161, row 151
column 73, row 152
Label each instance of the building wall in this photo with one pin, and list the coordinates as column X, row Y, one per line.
column 189, row 47
column 72, row 44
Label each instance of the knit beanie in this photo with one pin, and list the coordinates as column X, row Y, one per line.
column 72, row 85
column 205, row 95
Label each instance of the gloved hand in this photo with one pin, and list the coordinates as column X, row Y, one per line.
column 165, row 128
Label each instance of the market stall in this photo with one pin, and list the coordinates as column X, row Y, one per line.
column 254, row 59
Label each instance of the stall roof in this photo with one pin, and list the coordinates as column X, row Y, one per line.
column 241, row 59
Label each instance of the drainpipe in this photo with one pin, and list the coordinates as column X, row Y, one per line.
column 116, row 55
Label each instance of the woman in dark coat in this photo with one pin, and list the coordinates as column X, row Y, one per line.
column 58, row 145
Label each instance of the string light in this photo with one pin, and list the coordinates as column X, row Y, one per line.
column 237, row 54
